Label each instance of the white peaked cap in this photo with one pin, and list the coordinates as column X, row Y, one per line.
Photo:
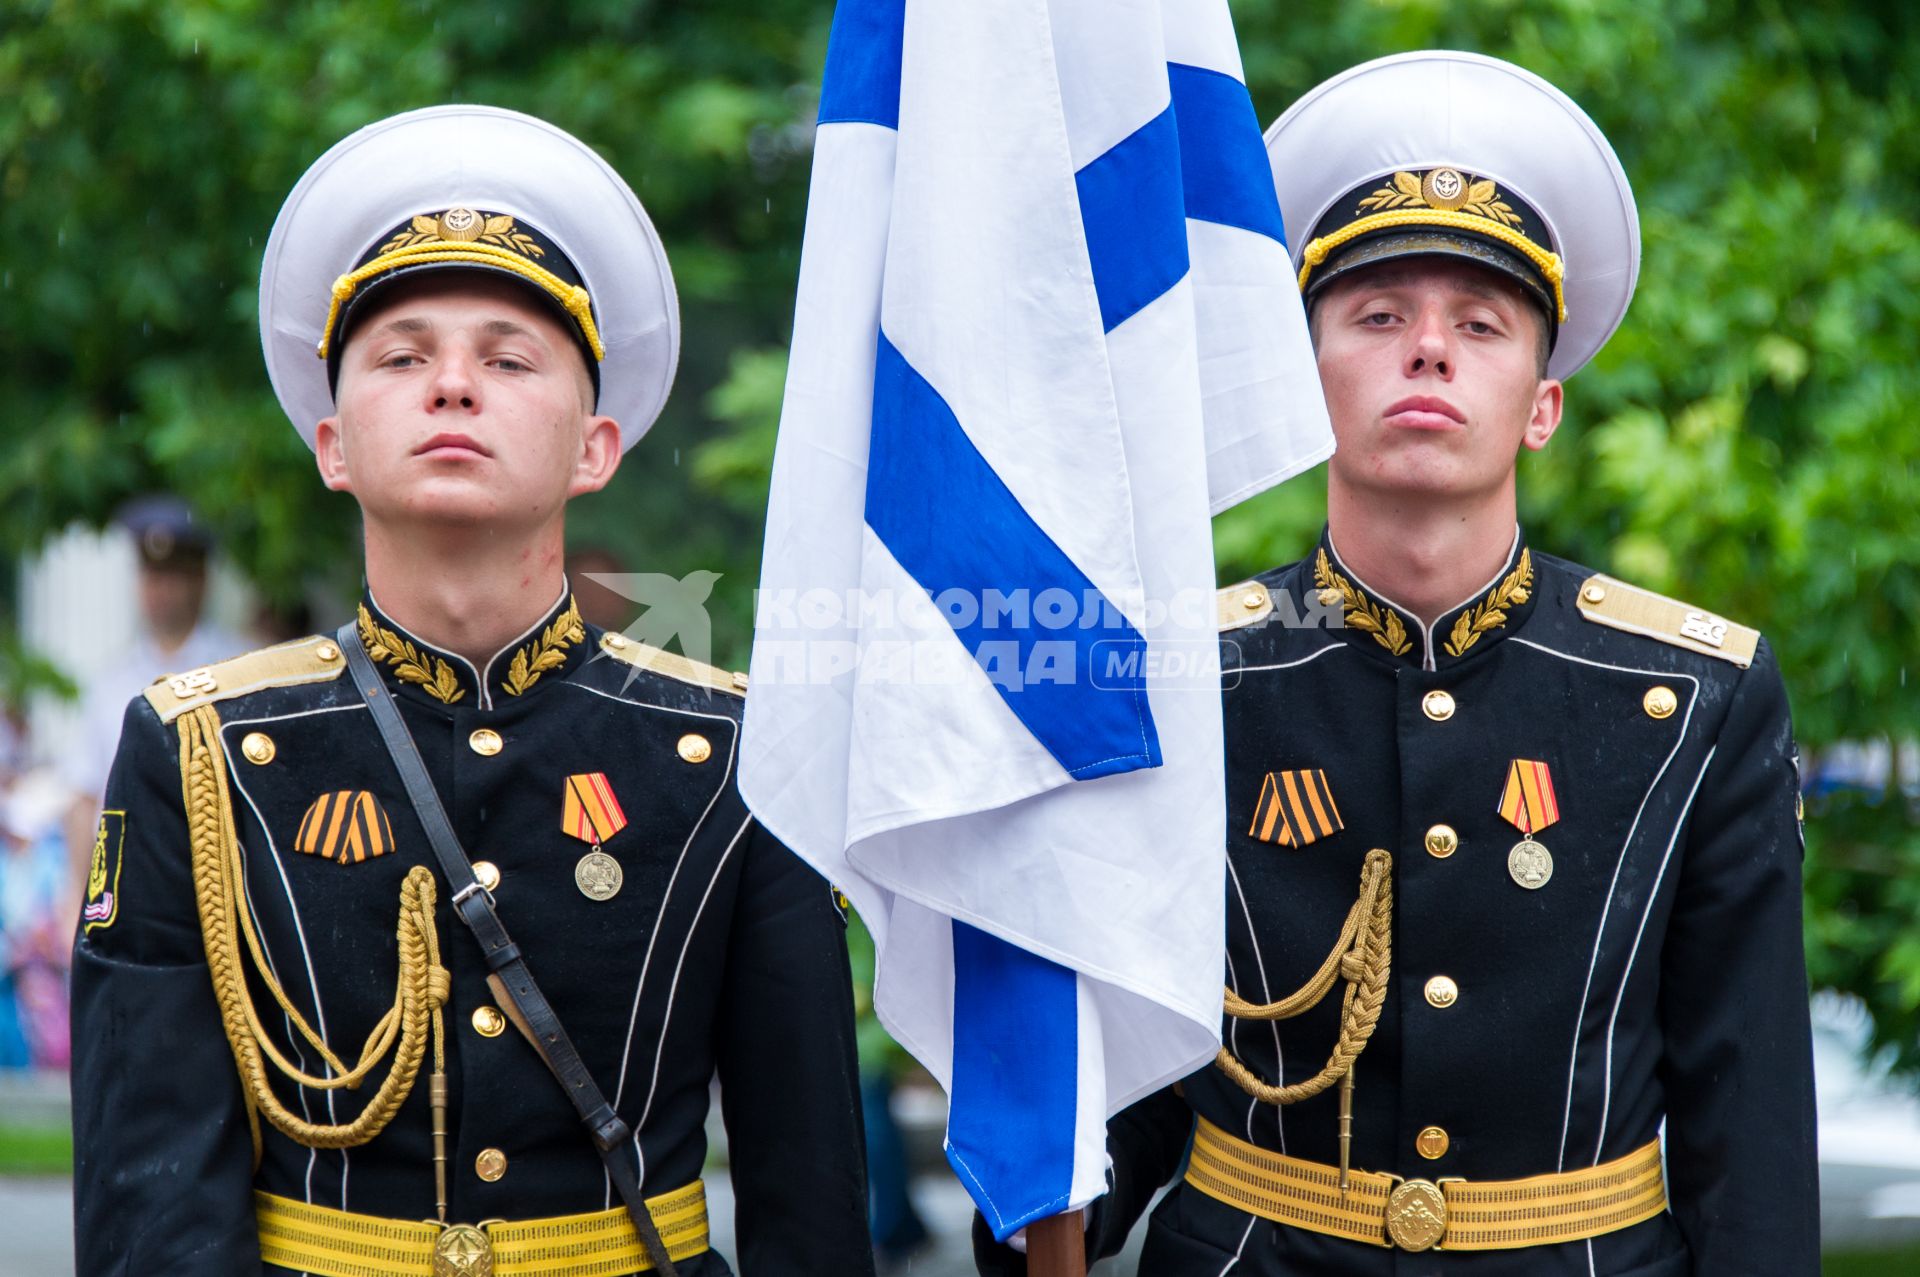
column 1433, row 111
column 521, row 173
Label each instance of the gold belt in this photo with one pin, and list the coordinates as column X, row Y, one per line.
column 336, row 1243
column 1418, row 1214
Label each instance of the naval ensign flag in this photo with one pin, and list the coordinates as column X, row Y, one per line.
column 1046, row 326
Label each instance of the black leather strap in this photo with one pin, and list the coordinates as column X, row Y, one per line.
column 512, row 982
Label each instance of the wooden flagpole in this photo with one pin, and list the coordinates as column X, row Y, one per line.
column 1057, row 1246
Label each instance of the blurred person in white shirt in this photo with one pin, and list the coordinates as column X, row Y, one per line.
column 174, row 637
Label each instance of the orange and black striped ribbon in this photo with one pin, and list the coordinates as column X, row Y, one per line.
column 591, row 813
column 1295, row 808
column 1528, row 803
column 348, row 825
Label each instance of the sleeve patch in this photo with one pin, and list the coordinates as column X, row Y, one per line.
column 103, row 874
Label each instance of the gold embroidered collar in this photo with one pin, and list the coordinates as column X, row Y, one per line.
column 450, row 679
column 1400, row 633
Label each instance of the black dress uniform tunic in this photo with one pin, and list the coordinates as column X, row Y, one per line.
column 719, row 951
column 1656, row 976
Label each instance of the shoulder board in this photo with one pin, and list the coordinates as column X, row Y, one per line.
column 308, row 660
column 1242, row 605
column 1620, row 606
column 672, row 664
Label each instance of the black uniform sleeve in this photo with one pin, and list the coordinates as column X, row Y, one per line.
column 789, row 1078
column 163, row 1164
column 1738, row 1064
column 1147, row 1141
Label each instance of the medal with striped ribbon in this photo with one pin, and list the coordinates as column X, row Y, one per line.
column 1529, row 805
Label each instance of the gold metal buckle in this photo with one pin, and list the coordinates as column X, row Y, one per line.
column 463, row 1251
column 1416, row 1215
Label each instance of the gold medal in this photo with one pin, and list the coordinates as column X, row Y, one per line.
column 598, row 875
column 1529, row 804
column 1530, row 864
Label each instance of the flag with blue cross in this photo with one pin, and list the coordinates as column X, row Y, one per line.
column 1046, row 326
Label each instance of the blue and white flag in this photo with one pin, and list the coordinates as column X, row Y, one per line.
column 1046, row 327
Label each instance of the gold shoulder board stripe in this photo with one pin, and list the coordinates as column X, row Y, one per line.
column 672, row 665
column 1239, row 606
column 307, row 660
column 1628, row 607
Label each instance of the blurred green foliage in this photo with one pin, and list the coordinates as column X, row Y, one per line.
column 1746, row 441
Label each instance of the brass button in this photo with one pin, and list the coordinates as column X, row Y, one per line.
column 1253, row 600
column 614, row 640
column 1431, row 1143
column 1329, row 597
column 1660, row 702
column 1442, row 992
column 490, row 1165
column 694, row 748
column 327, row 652
column 258, row 747
column 488, row 1022
column 486, row 742
column 1437, row 705
column 488, row 873
column 1442, row 841
column 1594, row 594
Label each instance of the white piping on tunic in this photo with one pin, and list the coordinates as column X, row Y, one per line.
column 1266, row 993
column 620, row 1087
column 299, row 930
column 1237, row 1250
column 666, row 1019
column 1653, row 892
column 1600, row 931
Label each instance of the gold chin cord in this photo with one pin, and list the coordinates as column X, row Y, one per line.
column 226, row 925
column 1362, row 957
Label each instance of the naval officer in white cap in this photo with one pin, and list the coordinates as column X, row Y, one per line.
column 413, row 948
column 1514, row 888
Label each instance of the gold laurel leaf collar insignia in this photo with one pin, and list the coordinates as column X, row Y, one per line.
column 546, row 652
column 1492, row 612
column 1383, row 622
column 408, row 663
column 1454, row 635
column 550, row 646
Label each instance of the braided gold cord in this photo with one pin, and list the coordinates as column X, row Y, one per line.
column 218, row 878
column 1362, row 956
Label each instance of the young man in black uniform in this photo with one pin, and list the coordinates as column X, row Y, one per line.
column 292, row 1052
column 1514, row 865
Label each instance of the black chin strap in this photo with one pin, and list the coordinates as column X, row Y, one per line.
column 510, row 980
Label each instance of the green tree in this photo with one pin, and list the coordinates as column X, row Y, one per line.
column 145, row 148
